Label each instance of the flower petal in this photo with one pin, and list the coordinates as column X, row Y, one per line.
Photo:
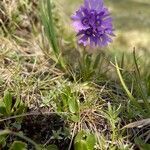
column 93, row 24
column 87, row 4
column 94, row 4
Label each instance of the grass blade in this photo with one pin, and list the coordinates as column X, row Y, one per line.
column 126, row 88
column 47, row 21
column 138, row 80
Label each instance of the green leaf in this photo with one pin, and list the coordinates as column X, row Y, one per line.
column 52, row 147
column 97, row 60
column 2, row 108
column 75, row 118
column 91, row 141
column 8, row 101
column 142, row 145
column 82, row 145
column 64, row 101
column 21, row 109
column 88, row 61
column 17, row 103
column 18, row 145
column 3, row 140
column 80, row 136
column 73, row 105
column 84, row 140
column 145, row 147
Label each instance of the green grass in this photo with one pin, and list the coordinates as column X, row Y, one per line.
column 97, row 101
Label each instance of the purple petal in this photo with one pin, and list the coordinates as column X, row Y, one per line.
column 93, row 24
column 100, row 28
column 107, row 23
column 104, row 42
column 87, row 4
column 75, row 17
column 80, row 32
column 79, row 13
column 107, row 38
column 84, row 38
column 93, row 4
column 77, row 25
column 109, row 31
column 99, row 5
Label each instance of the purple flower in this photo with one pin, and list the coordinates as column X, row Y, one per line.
column 93, row 24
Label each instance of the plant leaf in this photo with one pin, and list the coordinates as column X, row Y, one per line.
column 2, row 108
column 8, row 101
column 18, row 145
column 52, row 147
column 91, row 141
column 97, row 60
column 73, row 105
column 75, row 118
column 82, row 145
column 142, row 145
column 84, row 141
column 79, row 136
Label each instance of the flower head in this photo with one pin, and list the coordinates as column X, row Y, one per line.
column 93, row 24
